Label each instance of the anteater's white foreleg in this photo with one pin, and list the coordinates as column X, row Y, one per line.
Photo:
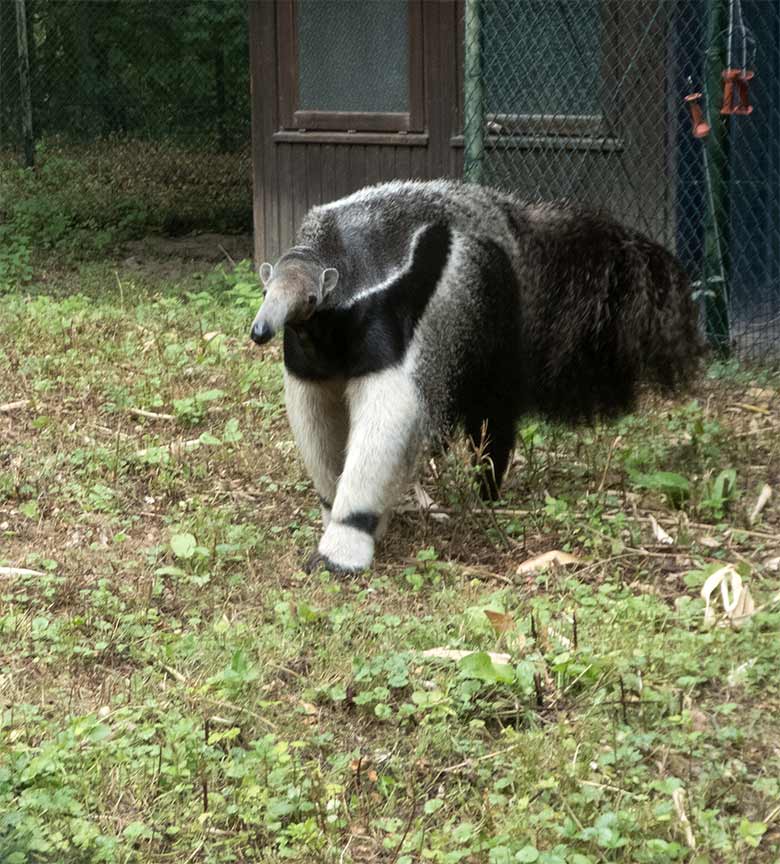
column 384, row 439
column 318, row 416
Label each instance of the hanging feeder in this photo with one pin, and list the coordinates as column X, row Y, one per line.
column 736, row 99
column 741, row 48
column 700, row 128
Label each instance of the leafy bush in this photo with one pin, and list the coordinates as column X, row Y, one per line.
column 80, row 202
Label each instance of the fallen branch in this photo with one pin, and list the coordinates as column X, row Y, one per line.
column 755, row 409
column 177, row 676
column 609, row 462
column 107, row 431
column 152, row 415
column 174, row 673
column 457, row 655
column 161, row 415
column 226, row 254
column 771, row 428
column 8, row 407
column 468, row 763
column 609, row 787
column 499, row 511
column 239, row 709
column 546, row 559
column 19, row 571
column 763, row 500
column 480, row 573
column 174, row 448
column 678, row 799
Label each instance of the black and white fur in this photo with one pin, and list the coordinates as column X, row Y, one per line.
column 412, row 308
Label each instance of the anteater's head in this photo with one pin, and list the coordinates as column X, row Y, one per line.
column 294, row 290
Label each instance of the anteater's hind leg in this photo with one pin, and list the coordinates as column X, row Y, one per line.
column 493, row 440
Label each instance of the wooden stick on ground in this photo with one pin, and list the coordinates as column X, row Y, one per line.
column 152, row 415
column 8, row 407
column 19, row 571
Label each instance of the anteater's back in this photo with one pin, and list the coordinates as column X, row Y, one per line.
column 556, row 309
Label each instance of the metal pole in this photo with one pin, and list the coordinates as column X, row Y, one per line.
column 717, row 259
column 473, row 95
column 3, row 110
column 24, row 83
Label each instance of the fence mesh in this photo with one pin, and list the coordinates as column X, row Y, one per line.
column 582, row 100
column 154, row 93
column 587, row 101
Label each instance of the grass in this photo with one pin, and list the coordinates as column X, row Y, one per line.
column 174, row 688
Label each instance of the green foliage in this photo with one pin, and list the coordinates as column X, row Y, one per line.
column 720, row 494
column 183, row 545
column 163, row 101
column 80, row 203
column 191, row 410
column 62, row 208
column 15, row 255
column 122, row 68
column 241, row 284
column 481, row 667
column 175, row 687
column 674, row 487
column 427, row 571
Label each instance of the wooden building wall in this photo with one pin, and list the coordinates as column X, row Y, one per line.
column 294, row 171
column 626, row 170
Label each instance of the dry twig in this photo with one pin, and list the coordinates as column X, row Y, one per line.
column 19, row 571
column 152, row 415
column 8, row 407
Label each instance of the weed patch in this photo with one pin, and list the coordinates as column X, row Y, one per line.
column 174, row 687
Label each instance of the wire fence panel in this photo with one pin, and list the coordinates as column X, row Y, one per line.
column 170, row 76
column 596, row 101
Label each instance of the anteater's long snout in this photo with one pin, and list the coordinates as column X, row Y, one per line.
column 261, row 332
column 273, row 315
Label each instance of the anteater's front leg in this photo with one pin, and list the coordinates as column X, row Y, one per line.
column 384, row 438
column 317, row 411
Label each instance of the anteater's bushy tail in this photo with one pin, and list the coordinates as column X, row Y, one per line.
column 604, row 310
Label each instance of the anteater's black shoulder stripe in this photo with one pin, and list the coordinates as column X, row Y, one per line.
column 388, row 318
column 374, row 332
column 410, row 294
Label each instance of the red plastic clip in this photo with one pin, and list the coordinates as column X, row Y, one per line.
column 736, row 80
column 699, row 126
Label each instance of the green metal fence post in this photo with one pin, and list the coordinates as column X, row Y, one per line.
column 473, row 95
column 24, row 83
column 716, row 275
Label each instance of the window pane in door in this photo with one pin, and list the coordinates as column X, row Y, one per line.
column 353, row 55
column 542, row 56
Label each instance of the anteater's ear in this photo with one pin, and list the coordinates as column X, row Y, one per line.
column 328, row 280
column 266, row 271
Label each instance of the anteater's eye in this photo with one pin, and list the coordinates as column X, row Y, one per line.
column 311, row 299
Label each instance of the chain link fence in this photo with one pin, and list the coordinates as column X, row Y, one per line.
column 153, row 94
column 593, row 100
column 596, row 101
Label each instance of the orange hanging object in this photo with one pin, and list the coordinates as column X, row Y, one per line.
column 744, row 106
column 730, row 77
column 700, row 127
column 735, row 82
